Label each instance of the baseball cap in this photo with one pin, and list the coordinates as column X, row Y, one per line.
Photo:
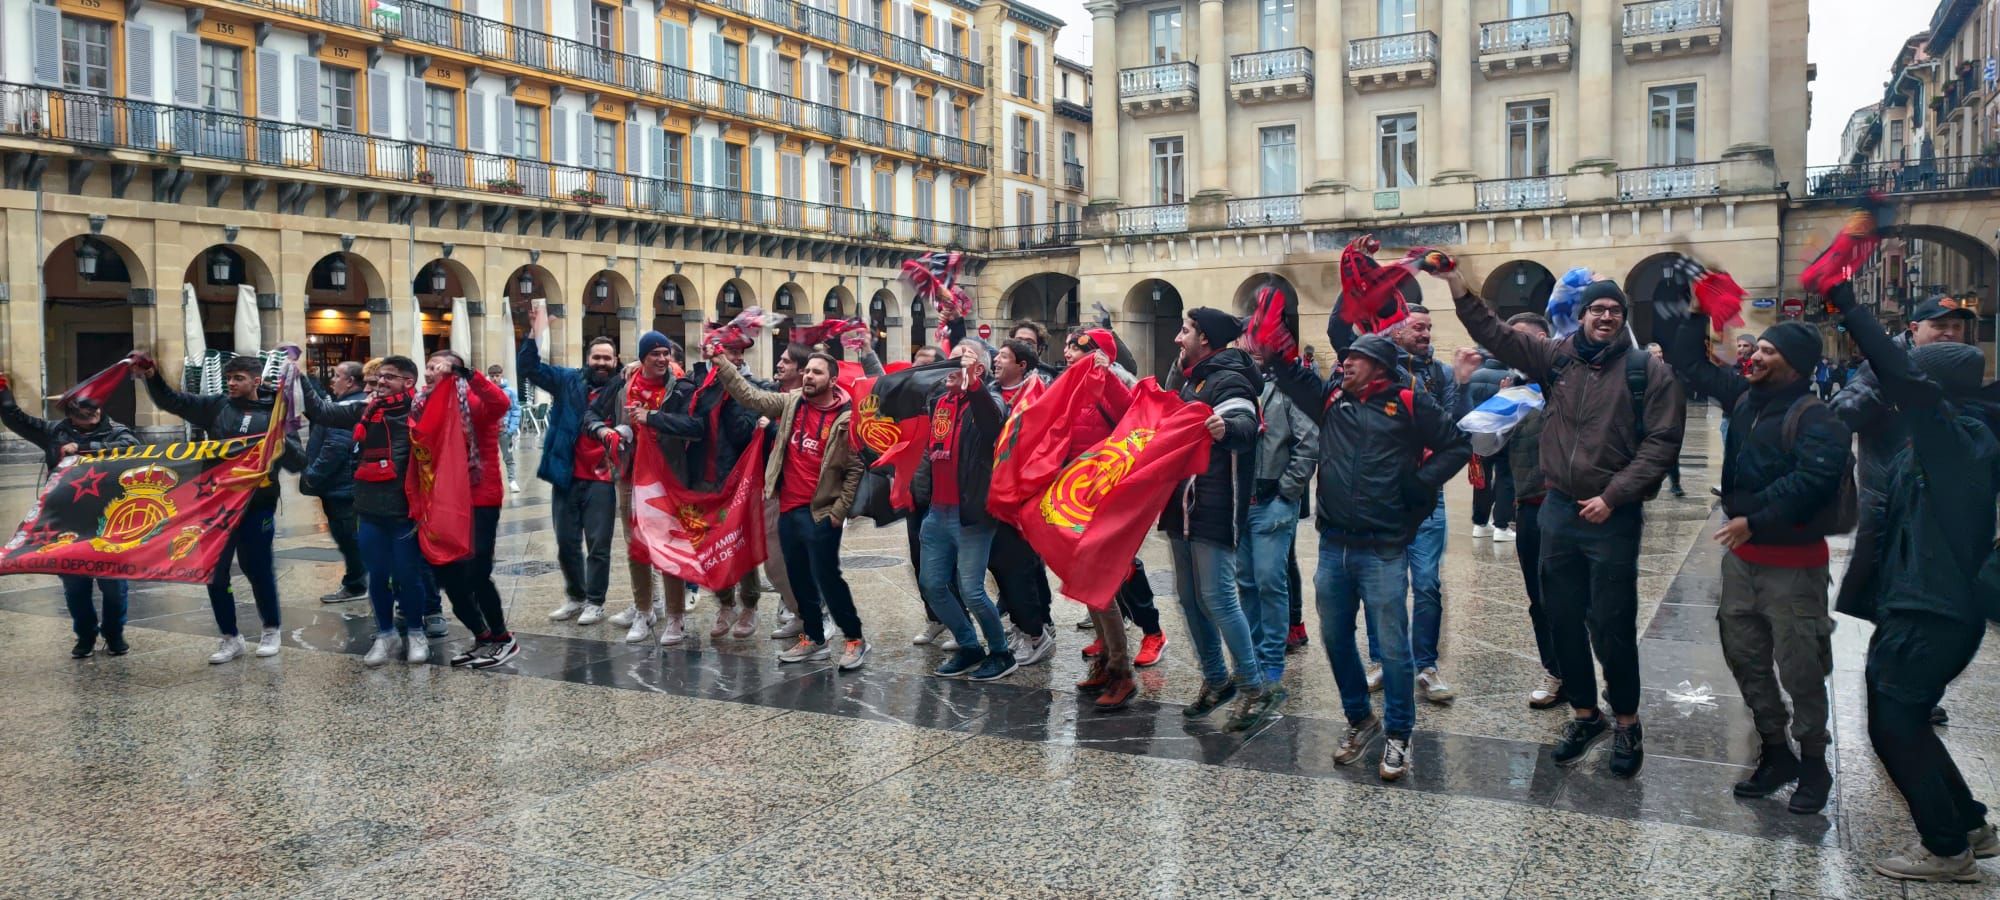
column 1939, row 307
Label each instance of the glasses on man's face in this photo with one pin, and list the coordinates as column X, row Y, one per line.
column 1606, row 312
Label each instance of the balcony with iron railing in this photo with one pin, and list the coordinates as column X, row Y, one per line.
column 377, row 163
column 489, row 39
column 1271, row 75
column 1258, row 212
column 1670, row 182
column 1045, row 236
column 1170, row 218
column 1073, row 174
column 1167, row 87
column 1934, row 175
column 1527, row 44
column 1392, row 60
column 1501, row 194
column 1657, row 28
column 848, row 34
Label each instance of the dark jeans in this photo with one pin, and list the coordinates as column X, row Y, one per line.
column 1296, row 587
column 250, row 546
column 342, row 525
column 1495, row 501
column 397, row 572
column 1590, row 575
column 469, row 581
column 812, row 557
column 83, row 615
column 1135, row 600
column 584, row 515
column 1911, row 659
column 1528, row 545
column 1023, row 580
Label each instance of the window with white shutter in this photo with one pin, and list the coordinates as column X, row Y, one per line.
column 270, row 85
column 138, row 61
column 504, row 125
column 46, row 38
column 305, row 89
column 586, row 139
column 559, row 136
column 475, row 122
column 378, row 103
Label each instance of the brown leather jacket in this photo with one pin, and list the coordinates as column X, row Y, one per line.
column 1590, row 446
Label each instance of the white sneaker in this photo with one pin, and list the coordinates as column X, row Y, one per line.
column 789, row 627
column 1547, row 693
column 418, row 649
column 378, row 654
column 1503, row 535
column 641, row 627
column 567, row 611
column 725, row 619
column 673, row 630
column 929, row 635
column 1431, row 686
column 513, row 485
column 950, row 644
column 746, row 625
column 624, row 617
column 230, row 647
column 592, row 614
column 853, row 654
column 270, row 642
column 1485, row 531
column 1374, row 677
column 1034, row 650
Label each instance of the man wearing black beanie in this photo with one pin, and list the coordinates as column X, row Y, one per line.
column 1782, row 468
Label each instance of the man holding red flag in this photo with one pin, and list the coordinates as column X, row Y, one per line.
column 1016, row 568
column 397, row 570
column 813, row 473
column 243, row 409
column 469, row 581
column 957, row 538
column 1209, row 517
column 616, row 415
column 1384, row 451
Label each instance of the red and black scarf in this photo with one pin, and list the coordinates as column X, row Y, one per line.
column 375, row 438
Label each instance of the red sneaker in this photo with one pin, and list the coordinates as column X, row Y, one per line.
column 1296, row 640
column 1094, row 650
column 1150, row 648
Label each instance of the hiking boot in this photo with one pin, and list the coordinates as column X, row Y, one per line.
column 1776, row 768
column 1150, row 648
column 1577, row 739
column 1358, row 736
column 1815, row 782
column 1099, row 678
column 1253, row 710
column 1211, row 698
column 1118, row 692
column 1919, row 864
column 1628, row 749
column 1546, row 694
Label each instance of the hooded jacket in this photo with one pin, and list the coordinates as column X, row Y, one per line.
column 839, row 469
column 223, row 416
column 51, row 434
column 1778, row 489
column 1936, row 522
column 979, row 425
column 329, row 471
column 1591, row 447
column 570, row 389
column 1882, row 433
column 1482, row 385
column 683, row 426
column 1214, row 506
column 1376, row 485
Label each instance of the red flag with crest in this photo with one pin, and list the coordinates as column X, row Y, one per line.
column 1034, row 444
column 712, row 538
column 439, row 486
column 1090, row 520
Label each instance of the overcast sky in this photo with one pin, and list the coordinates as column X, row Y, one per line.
column 1852, row 41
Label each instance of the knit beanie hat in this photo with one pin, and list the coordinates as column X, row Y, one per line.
column 1217, row 326
column 1955, row 367
column 1798, row 343
column 651, row 341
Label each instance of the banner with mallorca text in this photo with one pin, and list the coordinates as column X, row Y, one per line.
column 158, row 512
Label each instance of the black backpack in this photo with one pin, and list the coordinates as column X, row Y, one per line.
column 1842, row 514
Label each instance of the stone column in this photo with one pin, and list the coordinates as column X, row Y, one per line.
column 1329, row 45
column 1213, row 103
column 1455, row 50
column 1748, row 163
column 1594, row 46
column 1104, row 103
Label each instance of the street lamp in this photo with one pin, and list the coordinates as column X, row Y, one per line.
column 437, row 279
column 729, row 296
column 220, row 266
column 672, row 295
column 784, row 298
column 526, row 285
column 336, row 273
column 602, row 291
column 86, row 258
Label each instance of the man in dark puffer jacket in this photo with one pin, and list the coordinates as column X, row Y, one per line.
column 1206, row 519
column 1781, row 466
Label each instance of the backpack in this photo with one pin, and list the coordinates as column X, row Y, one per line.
column 1635, row 382
column 1844, row 513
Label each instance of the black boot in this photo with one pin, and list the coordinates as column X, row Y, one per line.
column 84, row 647
column 1815, row 781
column 1775, row 769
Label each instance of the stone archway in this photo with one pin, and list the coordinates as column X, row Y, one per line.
column 218, row 274
column 337, row 317
column 1519, row 286
column 1050, row 298
column 1244, row 302
column 878, row 320
column 604, row 295
column 1157, row 302
column 88, row 283
column 1644, row 285
column 670, row 308
column 735, row 296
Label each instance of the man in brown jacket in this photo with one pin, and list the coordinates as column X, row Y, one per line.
column 1614, row 418
column 813, row 472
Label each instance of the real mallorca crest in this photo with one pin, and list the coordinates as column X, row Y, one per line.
column 693, row 522
column 139, row 513
column 877, row 433
column 1071, row 502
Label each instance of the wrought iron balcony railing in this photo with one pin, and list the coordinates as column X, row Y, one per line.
column 1942, row 173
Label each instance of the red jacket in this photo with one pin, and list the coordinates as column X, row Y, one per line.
column 489, row 410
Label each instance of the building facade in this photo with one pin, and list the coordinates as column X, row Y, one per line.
column 362, row 174
column 1254, row 139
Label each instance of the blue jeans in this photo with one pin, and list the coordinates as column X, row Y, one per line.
column 398, row 575
column 250, row 546
column 1205, row 579
column 1374, row 579
column 1426, row 555
column 1263, row 580
column 953, row 551
column 83, row 614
